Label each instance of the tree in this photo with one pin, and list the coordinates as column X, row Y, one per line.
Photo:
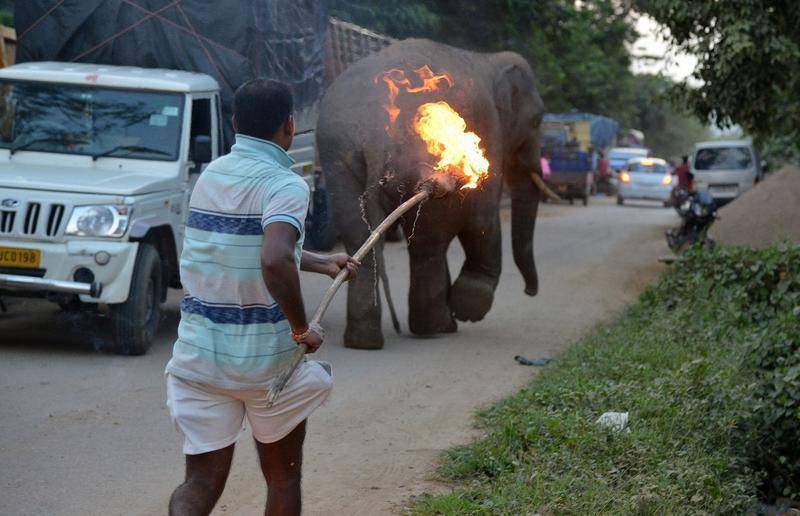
column 579, row 54
column 748, row 55
column 669, row 130
column 7, row 12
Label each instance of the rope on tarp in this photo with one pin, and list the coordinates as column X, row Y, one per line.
column 39, row 20
column 123, row 31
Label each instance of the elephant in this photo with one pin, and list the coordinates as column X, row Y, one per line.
column 372, row 161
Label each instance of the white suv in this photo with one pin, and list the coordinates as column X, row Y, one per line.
column 96, row 167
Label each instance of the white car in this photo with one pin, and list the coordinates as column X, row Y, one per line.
column 645, row 178
column 618, row 157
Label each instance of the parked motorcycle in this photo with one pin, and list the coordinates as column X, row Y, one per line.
column 697, row 210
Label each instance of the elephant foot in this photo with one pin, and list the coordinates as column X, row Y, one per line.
column 363, row 338
column 426, row 324
column 471, row 297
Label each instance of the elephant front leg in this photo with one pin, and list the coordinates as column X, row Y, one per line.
column 428, row 313
column 472, row 294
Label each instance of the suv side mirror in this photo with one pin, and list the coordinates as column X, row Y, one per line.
column 201, row 149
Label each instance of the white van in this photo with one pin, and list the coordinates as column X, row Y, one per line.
column 725, row 168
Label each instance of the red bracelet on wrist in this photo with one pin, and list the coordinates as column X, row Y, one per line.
column 300, row 337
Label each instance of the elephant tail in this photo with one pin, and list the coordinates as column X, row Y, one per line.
column 385, row 280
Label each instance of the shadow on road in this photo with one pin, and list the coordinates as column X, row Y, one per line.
column 643, row 204
column 40, row 326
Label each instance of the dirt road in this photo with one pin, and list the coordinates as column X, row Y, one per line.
column 86, row 432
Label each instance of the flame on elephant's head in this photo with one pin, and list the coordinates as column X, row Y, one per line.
column 441, row 128
column 396, row 79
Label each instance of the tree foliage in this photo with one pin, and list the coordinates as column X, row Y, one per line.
column 669, row 131
column 748, row 62
column 7, row 12
column 579, row 54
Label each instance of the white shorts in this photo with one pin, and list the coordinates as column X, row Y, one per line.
column 211, row 418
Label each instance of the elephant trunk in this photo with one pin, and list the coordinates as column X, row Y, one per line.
column 524, row 205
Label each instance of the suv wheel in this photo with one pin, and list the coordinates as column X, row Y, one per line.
column 134, row 322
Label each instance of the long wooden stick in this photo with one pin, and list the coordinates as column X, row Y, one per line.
column 374, row 237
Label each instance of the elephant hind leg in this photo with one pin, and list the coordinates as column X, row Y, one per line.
column 346, row 183
column 472, row 294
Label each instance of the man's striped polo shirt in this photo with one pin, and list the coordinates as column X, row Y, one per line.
column 232, row 334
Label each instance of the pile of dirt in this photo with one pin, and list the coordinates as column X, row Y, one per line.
column 764, row 215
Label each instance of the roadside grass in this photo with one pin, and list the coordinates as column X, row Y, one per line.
column 687, row 361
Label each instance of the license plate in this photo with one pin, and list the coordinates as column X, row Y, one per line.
column 723, row 189
column 562, row 188
column 15, row 257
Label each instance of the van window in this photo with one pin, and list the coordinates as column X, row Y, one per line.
column 723, row 158
column 201, row 126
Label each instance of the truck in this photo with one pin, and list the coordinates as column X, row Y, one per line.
column 107, row 122
column 570, row 142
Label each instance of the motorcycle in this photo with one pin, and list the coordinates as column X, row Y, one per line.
column 697, row 210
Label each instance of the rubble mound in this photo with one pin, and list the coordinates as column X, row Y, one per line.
column 764, row 215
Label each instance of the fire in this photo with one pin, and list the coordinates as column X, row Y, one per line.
column 445, row 135
column 395, row 79
column 439, row 125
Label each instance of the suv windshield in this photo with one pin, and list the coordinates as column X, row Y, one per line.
column 723, row 158
column 654, row 168
column 92, row 121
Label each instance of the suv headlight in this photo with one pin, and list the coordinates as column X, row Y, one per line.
column 98, row 221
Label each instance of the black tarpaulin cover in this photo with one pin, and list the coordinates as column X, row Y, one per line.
column 231, row 40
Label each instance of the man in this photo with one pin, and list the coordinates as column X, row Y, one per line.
column 685, row 177
column 242, row 315
column 603, row 178
column 544, row 161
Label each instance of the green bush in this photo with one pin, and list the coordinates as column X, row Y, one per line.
column 707, row 365
column 775, row 422
column 764, row 288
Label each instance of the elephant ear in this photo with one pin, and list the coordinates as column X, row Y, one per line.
column 508, row 92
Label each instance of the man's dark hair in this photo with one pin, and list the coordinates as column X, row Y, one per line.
column 685, row 158
column 260, row 106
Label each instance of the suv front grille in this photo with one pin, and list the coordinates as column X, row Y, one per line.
column 7, row 221
column 31, row 218
column 54, row 219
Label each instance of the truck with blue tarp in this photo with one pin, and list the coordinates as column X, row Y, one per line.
column 571, row 143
